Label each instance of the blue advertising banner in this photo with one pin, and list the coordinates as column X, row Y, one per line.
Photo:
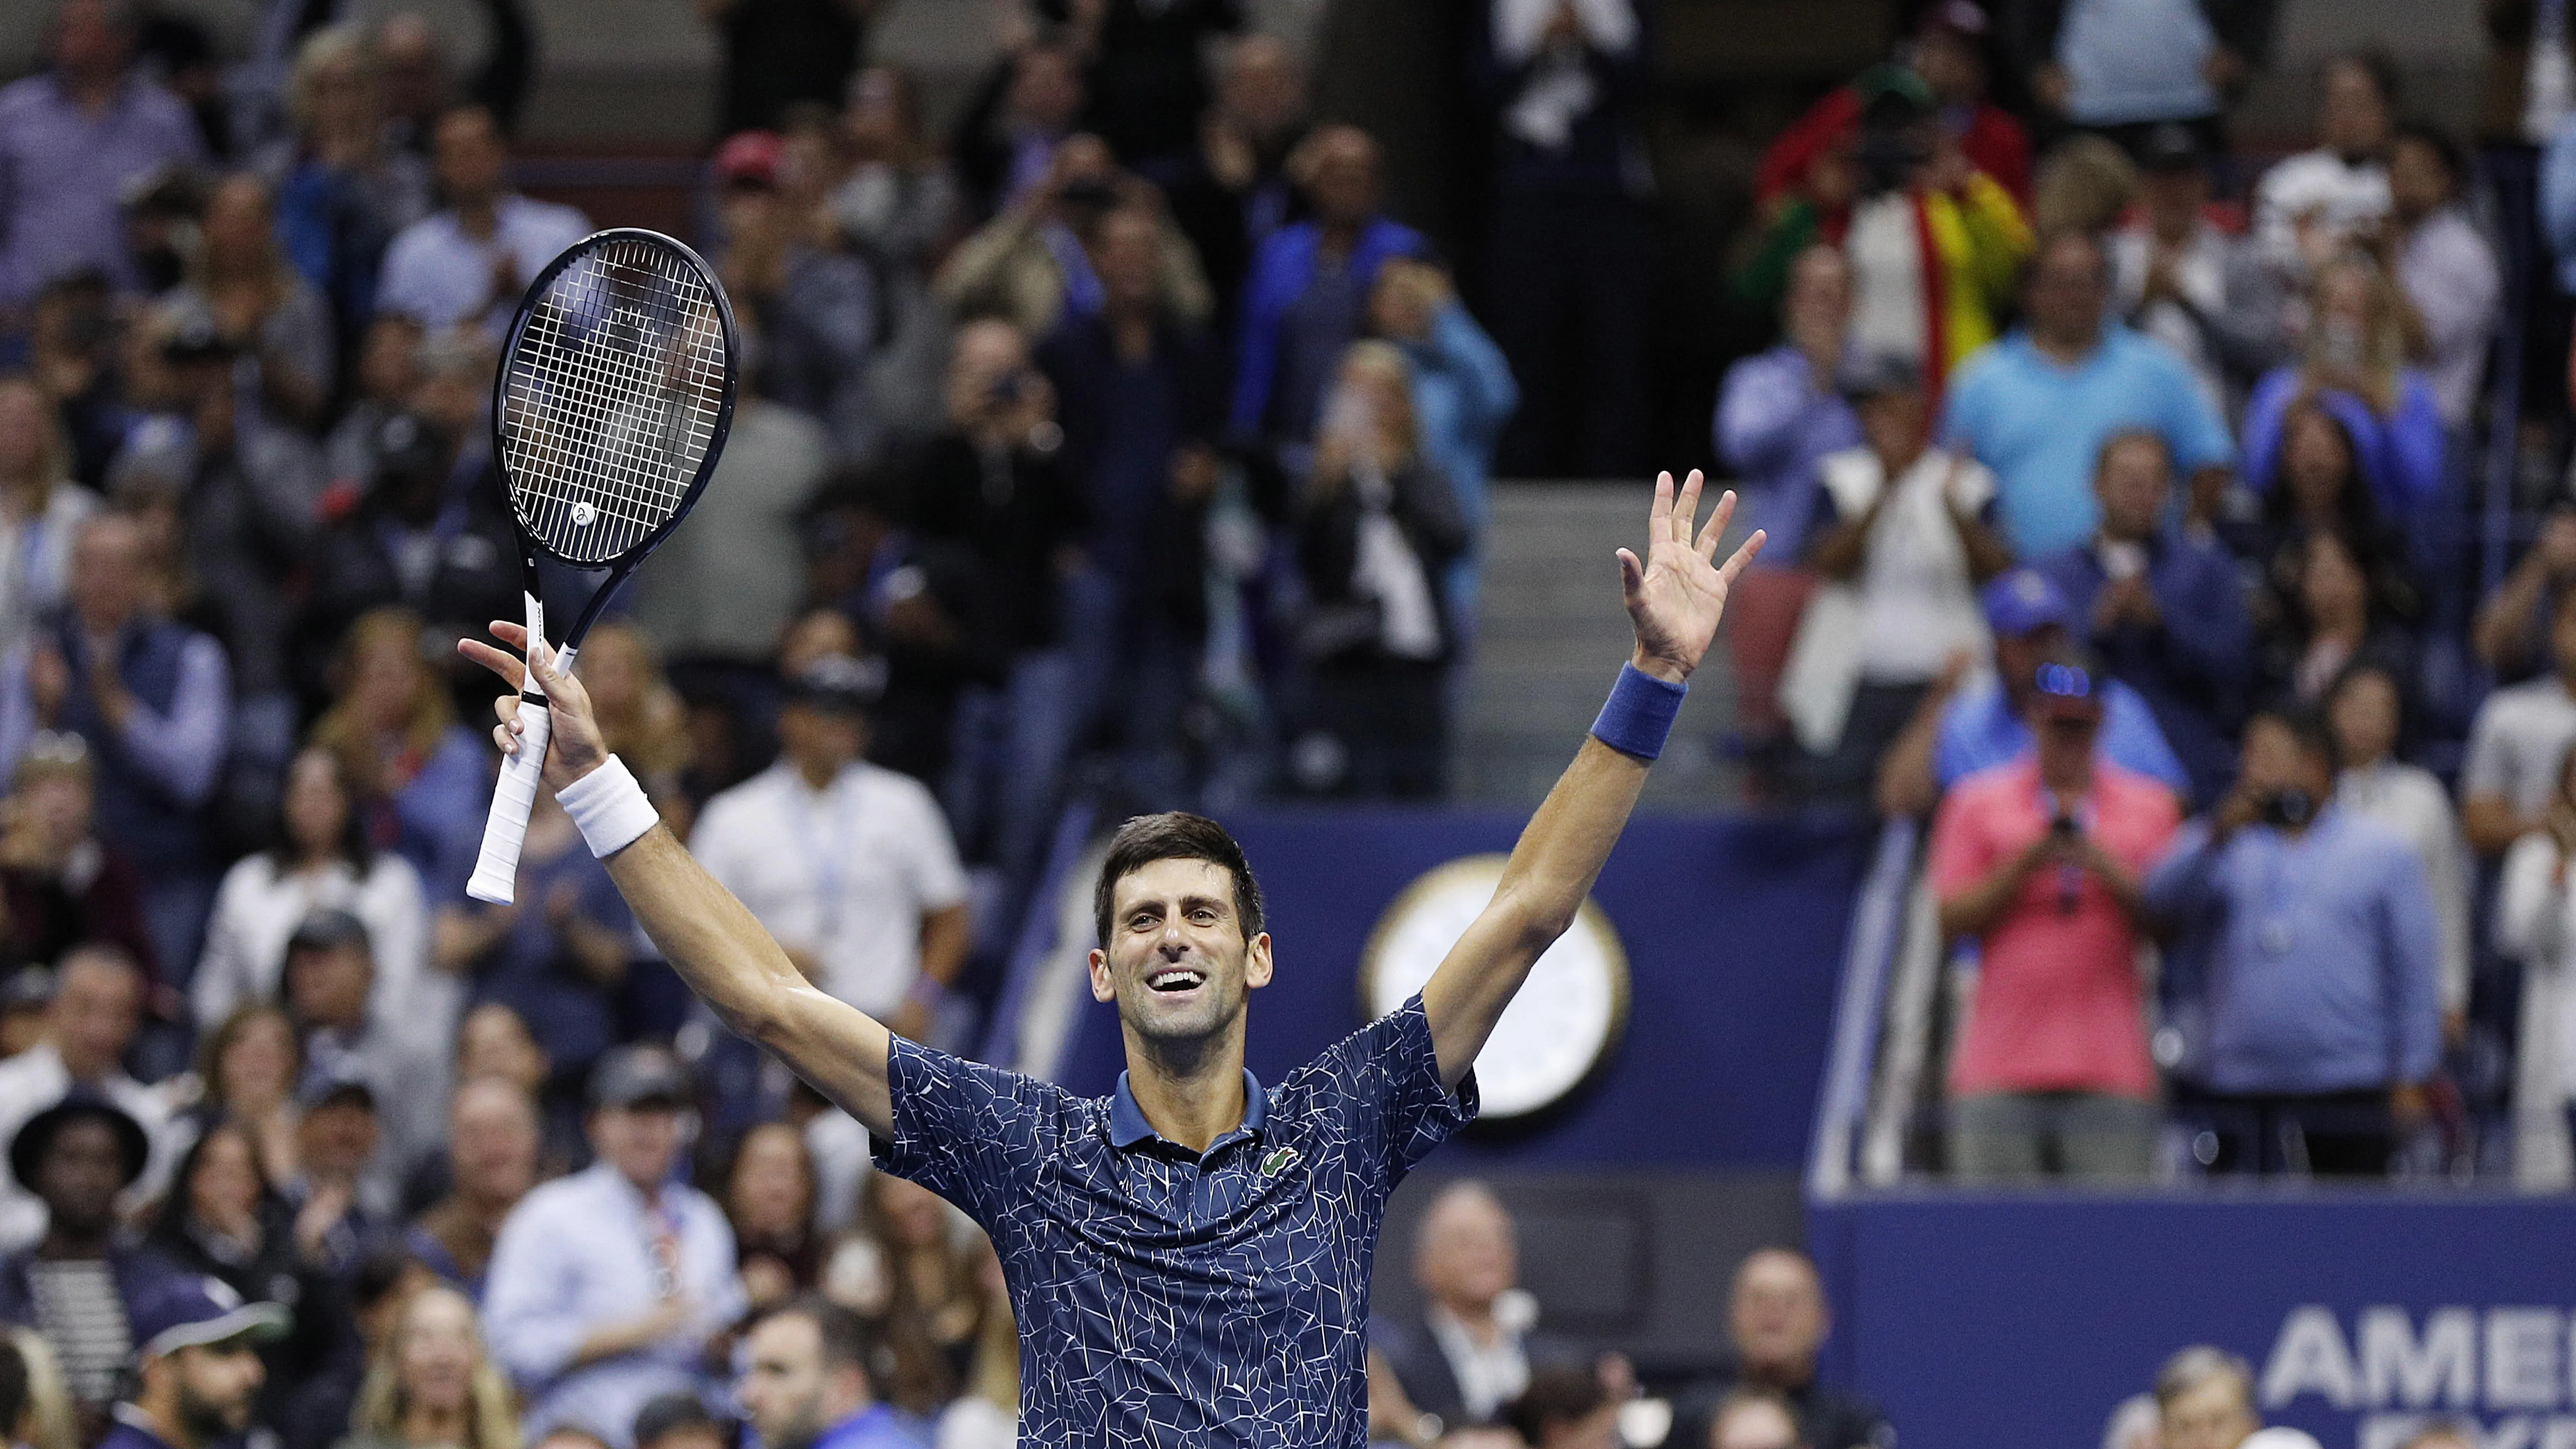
column 1733, row 929
column 1981, row 1322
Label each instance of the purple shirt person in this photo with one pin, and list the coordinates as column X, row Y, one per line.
column 70, row 140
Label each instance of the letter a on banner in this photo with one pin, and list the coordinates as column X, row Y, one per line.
column 2310, row 1357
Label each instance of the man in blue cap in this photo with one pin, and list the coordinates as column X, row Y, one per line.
column 197, row 1368
column 1964, row 727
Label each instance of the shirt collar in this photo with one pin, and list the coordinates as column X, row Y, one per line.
column 1128, row 1127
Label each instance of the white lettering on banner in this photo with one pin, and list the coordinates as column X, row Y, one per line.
column 2310, row 1357
column 2514, row 1431
column 2397, row 1367
column 2559, row 1434
column 2522, row 1358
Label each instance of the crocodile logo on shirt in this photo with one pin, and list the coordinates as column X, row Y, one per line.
column 1279, row 1157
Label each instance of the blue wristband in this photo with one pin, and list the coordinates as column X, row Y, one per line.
column 1639, row 715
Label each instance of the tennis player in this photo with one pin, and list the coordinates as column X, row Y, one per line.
column 1188, row 1257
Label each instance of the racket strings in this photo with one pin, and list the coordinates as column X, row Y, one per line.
column 613, row 393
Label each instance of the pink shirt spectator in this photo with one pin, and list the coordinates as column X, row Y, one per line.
column 2058, row 1006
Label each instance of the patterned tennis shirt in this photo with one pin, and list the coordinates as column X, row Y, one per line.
column 1168, row 1298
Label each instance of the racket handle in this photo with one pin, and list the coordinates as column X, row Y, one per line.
column 496, row 871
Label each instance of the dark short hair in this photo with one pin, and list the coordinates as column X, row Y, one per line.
column 1557, row 1393
column 1175, row 835
column 2444, row 146
column 2306, row 724
column 845, row 1338
column 666, row 1414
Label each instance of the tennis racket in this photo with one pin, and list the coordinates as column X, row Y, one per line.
column 615, row 393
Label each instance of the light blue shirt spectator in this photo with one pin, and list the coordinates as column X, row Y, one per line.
column 1463, row 393
column 578, row 1255
column 1775, row 418
column 2040, row 426
column 438, row 274
column 1979, row 731
column 63, row 171
column 2322, row 957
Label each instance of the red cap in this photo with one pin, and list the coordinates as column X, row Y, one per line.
column 748, row 158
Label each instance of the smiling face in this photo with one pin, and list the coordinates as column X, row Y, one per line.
column 1175, row 958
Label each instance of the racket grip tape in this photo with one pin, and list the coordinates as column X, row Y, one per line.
column 514, row 795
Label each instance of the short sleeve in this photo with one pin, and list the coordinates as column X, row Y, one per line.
column 1376, row 1095
column 972, row 1133
column 2197, row 434
column 1962, row 848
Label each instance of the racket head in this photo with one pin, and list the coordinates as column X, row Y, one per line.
column 614, row 396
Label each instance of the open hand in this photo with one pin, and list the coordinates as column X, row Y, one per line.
column 576, row 748
column 1677, row 595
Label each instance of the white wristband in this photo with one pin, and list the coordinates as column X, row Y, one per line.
column 609, row 807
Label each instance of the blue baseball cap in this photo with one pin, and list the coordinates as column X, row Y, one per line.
column 189, row 1310
column 2023, row 601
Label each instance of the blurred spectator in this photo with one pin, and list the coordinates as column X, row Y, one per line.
column 1949, row 53
column 2085, row 184
column 72, row 352
column 358, row 1027
column 1781, row 411
column 2037, row 406
column 2162, row 608
column 1236, row 190
column 493, row 1139
column 778, row 53
column 1004, row 144
column 2520, row 736
column 1307, row 292
column 241, row 289
column 1754, row 1419
column 680, row 1421
column 2320, row 989
column 2330, row 619
column 149, row 698
column 921, row 599
column 810, row 317
column 2040, row 860
column 943, row 1284
column 1901, row 547
column 1030, row 265
column 2354, row 367
column 470, row 262
column 2183, row 280
column 2205, row 1400
column 222, row 1220
column 769, row 1200
column 2444, row 265
column 2532, row 922
column 896, row 207
column 71, row 140
column 1145, row 76
column 430, row 1385
column 345, row 186
column 2366, row 706
column 1776, row 1320
column 24, row 1000
column 316, row 1412
column 1567, row 243
column 421, row 776
column 2324, row 492
column 1141, row 394
column 45, row 1413
column 248, row 1067
column 2511, row 633
column 605, row 1286
column 41, row 508
column 417, row 71
column 388, row 372
column 994, row 485
column 1934, row 243
column 1378, row 523
column 871, row 904
column 2312, row 205
column 809, row 1382
column 723, row 587
column 1473, row 1349
column 2121, row 68
column 59, row 883
column 322, row 859
column 98, row 1002
column 80, row 1285
column 559, row 955
column 196, row 1376
column 494, row 1041
column 1963, row 727
column 1566, row 1406
column 1463, row 393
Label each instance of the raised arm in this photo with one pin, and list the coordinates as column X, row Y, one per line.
column 1675, row 598
column 711, row 939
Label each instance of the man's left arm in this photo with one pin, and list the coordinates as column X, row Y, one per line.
column 183, row 749
column 2412, row 957
column 1675, row 597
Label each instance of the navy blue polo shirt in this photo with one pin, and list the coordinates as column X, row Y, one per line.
column 1168, row 1298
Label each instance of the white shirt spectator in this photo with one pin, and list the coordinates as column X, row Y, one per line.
column 2345, row 197
column 2409, row 800
column 36, row 560
column 2449, row 272
column 846, row 874
column 36, row 1079
column 2534, row 925
column 259, row 906
column 2515, row 747
column 440, row 275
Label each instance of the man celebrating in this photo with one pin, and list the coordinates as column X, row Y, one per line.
column 1189, row 1258
column 198, row 1367
column 806, row 1384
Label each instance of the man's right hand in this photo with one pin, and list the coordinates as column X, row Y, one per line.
column 576, row 748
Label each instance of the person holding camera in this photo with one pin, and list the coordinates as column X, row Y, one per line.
column 2316, row 996
column 2040, row 861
